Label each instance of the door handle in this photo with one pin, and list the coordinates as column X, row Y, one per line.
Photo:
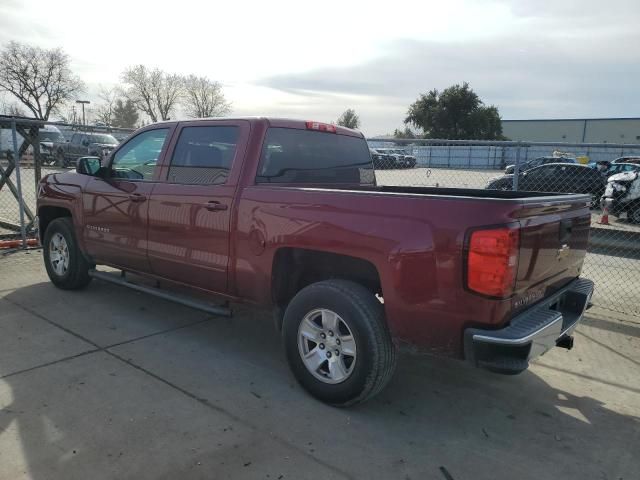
column 137, row 197
column 214, row 206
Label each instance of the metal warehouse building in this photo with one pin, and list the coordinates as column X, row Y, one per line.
column 574, row 130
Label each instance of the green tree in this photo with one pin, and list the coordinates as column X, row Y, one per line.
column 125, row 114
column 456, row 113
column 406, row 133
column 349, row 119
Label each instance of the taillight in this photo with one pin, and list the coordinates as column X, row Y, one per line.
column 492, row 261
column 321, row 127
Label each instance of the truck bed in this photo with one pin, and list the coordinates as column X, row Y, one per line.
column 465, row 192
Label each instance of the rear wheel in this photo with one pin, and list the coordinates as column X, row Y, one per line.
column 66, row 265
column 337, row 342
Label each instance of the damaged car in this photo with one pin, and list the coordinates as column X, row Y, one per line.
column 622, row 195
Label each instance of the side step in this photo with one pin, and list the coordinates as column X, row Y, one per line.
column 156, row 292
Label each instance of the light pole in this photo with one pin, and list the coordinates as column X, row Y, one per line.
column 83, row 102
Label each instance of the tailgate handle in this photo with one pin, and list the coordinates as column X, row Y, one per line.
column 566, row 228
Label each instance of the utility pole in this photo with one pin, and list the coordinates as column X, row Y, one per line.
column 83, row 102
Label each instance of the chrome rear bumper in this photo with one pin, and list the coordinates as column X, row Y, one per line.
column 532, row 333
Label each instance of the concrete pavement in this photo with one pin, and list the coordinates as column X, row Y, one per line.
column 110, row 383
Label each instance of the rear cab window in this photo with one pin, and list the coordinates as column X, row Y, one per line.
column 308, row 157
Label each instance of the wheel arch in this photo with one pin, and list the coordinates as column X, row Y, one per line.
column 295, row 268
column 48, row 213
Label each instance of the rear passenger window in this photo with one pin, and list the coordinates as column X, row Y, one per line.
column 203, row 155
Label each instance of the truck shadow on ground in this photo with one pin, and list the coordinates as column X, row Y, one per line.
column 436, row 413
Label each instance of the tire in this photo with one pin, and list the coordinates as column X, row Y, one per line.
column 634, row 214
column 73, row 272
column 59, row 161
column 360, row 314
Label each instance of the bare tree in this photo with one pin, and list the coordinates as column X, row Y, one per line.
column 12, row 109
column 154, row 92
column 104, row 111
column 349, row 119
column 40, row 79
column 204, row 98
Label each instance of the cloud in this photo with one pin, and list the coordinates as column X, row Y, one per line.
column 525, row 76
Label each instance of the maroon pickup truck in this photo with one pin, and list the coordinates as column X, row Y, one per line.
column 287, row 215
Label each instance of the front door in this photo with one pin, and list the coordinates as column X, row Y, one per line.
column 189, row 213
column 115, row 207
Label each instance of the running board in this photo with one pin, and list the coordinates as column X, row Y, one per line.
column 156, row 292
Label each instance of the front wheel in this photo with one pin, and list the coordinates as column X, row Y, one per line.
column 337, row 342
column 66, row 265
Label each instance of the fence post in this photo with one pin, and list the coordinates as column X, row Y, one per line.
column 16, row 161
column 516, row 168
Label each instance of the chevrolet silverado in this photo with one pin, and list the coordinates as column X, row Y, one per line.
column 287, row 215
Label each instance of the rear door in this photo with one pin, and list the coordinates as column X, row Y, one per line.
column 115, row 208
column 190, row 210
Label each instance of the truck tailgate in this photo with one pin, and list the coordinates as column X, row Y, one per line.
column 553, row 243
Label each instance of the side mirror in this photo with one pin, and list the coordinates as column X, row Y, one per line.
column 85, row 143
column 89, row 166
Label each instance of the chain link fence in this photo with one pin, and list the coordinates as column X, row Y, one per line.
column 42, row 148
column 609, row 173
column 613, row 260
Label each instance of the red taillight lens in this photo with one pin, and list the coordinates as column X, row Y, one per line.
column 492, row 261
column 321, row 127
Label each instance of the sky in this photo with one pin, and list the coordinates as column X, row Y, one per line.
column 312, row 60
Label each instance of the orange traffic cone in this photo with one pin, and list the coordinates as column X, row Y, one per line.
column 604, row 219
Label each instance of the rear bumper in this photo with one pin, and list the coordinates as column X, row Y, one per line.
column 532, row 333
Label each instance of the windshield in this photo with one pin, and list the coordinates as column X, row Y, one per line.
column 106, row 139
column 50, row 136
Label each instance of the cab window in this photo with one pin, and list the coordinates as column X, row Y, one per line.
column 137, row 159
column 203, row 155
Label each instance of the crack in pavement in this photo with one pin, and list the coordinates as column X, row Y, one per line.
column 203, row 401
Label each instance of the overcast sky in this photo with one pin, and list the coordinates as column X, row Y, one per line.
column 530, row 58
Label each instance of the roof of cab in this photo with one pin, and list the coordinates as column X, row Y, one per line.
column 271, row 122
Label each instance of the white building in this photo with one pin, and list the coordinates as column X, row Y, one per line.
column 574, row 130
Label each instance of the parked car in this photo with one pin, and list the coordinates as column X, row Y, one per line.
column 380, row 160
column 607, row 168
column 616, row 168
column 84, row 144
column 398, row 158
column 383, row 160
column 408, row 160
column 628, row 159
column 536, row 162
column 286, row 215
column 50, row 139
column 556, row 178
column 622, row 194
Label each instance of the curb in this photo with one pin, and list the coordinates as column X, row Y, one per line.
column 31, row 242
